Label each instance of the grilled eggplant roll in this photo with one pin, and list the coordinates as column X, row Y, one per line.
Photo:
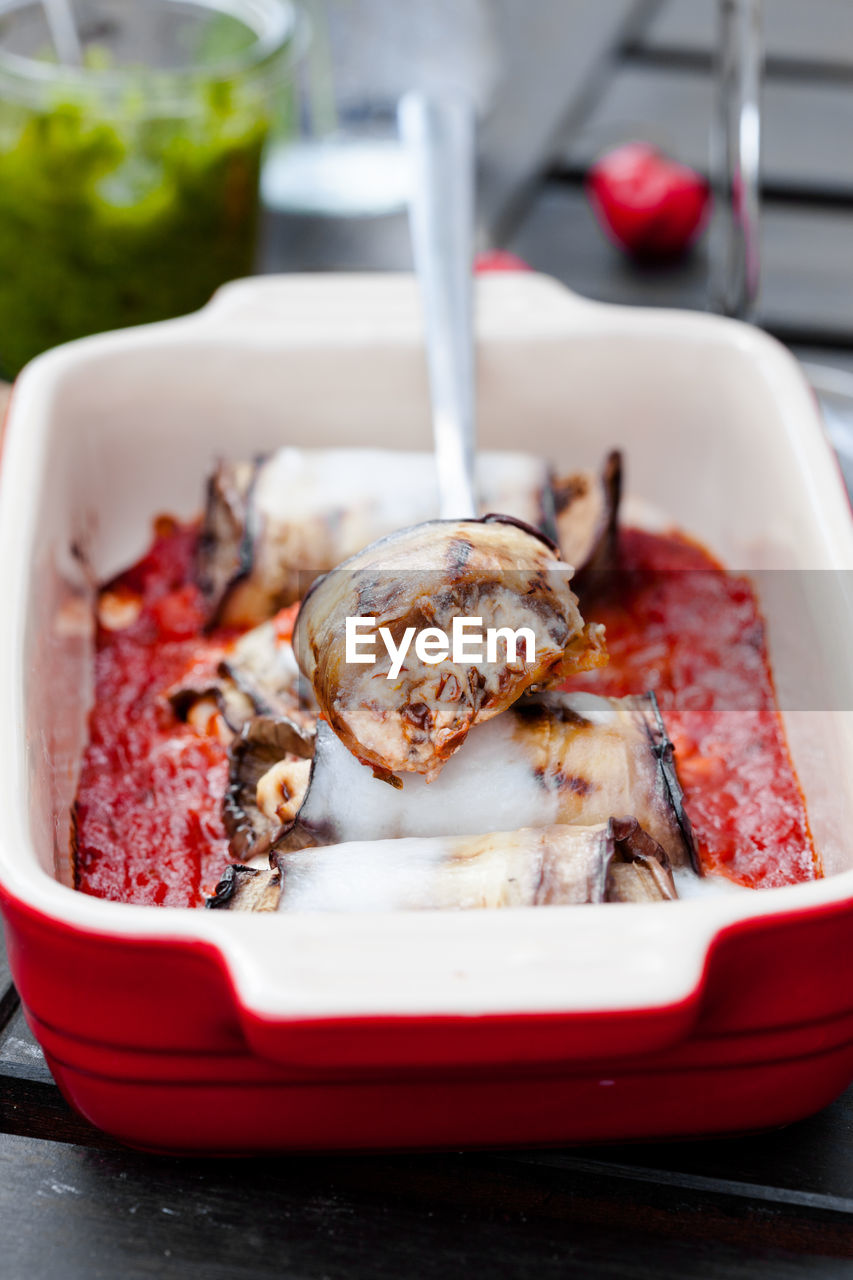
column 257, row 676
column 268, row 770
column 410, row 713
column 247, row 889
column 587, row 511
column 224, row 554
column 271, row 526
column 533, row 867
column 556, row 758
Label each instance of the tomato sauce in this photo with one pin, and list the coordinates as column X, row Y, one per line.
column 679, row 625
column 148, row 822
column 148, row 825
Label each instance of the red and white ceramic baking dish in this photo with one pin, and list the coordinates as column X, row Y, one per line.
column 210, row 1031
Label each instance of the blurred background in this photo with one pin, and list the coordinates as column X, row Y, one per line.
column 561, row 81
column 130, row 157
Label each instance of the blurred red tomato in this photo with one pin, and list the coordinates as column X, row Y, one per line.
column 650, row 205
column 499, row 260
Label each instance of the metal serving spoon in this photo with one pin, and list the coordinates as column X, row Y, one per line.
column 439, row 137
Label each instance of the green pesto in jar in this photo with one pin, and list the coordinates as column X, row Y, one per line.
column 116, row 218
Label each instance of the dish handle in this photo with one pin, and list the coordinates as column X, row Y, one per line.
column 354, row 310
column 463, row 992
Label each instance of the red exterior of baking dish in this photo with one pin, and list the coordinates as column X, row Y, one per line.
column 149, row 1041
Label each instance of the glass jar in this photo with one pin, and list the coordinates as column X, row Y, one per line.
column 129, row 182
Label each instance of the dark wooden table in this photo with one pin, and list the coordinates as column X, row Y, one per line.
column 75, row 1204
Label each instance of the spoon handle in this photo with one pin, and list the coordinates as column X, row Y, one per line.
column 439, row 136
column 63, row 32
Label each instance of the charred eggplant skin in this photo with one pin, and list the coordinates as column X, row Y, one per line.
column 224, row 556
column 587, row 519
column 496, row 517
column 224, row 891
column 245, row 889
column 264, row 742
column 650, row 869
column 664, row 749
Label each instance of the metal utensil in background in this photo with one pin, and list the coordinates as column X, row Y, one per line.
column 735, row 161
column 736, row 150
column 439, row 136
